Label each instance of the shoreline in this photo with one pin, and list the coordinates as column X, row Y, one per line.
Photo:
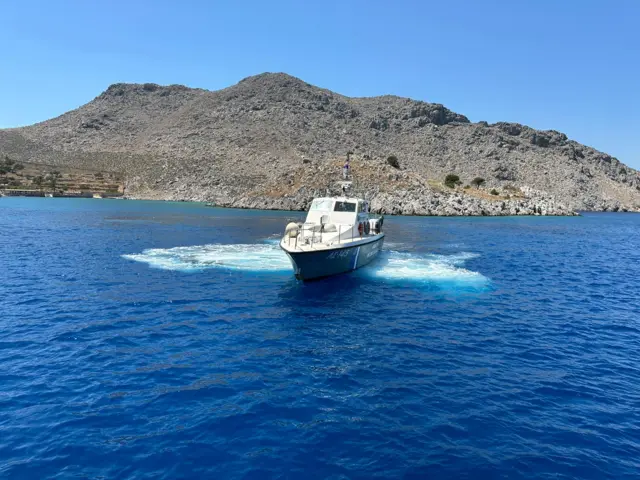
column 577, row 213
column 404, row 203
column 276, row 209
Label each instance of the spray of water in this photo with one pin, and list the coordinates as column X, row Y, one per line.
column 426, row 268
column 250, row 257
column 267, row 257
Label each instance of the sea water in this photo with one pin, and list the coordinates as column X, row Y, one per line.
column 168, row 340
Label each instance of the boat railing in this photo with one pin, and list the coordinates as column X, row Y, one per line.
column 314, row 233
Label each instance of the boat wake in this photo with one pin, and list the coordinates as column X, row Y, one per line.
column 426, row 268
column 391, row 265
column 250, row 257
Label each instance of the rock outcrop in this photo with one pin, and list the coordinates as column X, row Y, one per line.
column 274, row 141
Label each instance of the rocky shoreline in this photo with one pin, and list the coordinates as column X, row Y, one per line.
column 402, row 202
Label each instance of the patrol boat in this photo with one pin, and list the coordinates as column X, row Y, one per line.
column 338, row 236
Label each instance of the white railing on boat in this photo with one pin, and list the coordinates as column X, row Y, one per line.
column 308, row 233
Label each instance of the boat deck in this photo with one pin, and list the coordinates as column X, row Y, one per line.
column 295, row 245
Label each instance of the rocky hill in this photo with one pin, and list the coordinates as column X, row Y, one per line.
column 274, row 141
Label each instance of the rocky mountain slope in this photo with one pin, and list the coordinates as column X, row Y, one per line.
column 274, row 141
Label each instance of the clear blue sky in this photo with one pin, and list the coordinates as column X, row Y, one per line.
column 568, row 65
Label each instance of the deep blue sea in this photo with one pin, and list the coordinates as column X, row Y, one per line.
column 170, row 340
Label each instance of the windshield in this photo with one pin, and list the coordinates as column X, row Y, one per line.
column 321, row 204
column 345, row 207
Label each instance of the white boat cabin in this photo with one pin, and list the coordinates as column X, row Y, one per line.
column 333, row 220
column 337, row 210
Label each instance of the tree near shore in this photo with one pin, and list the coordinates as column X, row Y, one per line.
column 38, row 181
column 52, row 178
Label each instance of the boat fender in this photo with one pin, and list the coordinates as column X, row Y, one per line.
column 367, row 228
column 360, row 228
column 291, row 230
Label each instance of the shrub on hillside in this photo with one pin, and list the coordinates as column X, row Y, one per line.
column 494, row 192
column 393, row 161
column 476, row 182
column 452, row 180
column 9, row 166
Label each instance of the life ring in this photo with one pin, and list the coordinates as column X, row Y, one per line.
column 367, row 228
column 360, row 228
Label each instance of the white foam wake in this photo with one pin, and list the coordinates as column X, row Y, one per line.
column 253, row 257
column 430, row 268
column 391, row 265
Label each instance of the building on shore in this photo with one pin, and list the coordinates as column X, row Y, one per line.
column 14, row 192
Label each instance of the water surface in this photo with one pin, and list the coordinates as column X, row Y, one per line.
column 164, row 340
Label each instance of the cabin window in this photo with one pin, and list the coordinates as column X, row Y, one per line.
column 321, row 204
column 345, row 207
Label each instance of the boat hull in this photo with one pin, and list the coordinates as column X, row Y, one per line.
column 311, row 265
